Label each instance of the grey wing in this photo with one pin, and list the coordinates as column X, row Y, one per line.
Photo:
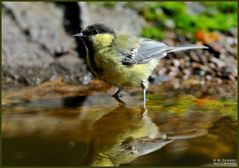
column 149, row 49
column 146, row 50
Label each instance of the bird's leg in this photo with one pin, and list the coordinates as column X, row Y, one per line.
column 144, row 93
column 117, row 93
column 120, row 101
column 117, row 96
column 144, row 85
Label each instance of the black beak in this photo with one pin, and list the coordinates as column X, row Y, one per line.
column 78, row 35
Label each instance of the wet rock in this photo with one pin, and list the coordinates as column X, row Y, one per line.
column 218, row 62
column 170, row 23
column 37, row 39
column 73, row 70
column 176, row 62
column 120, row 18
column 34, row 38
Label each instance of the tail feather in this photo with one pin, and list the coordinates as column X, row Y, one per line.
column 185, row 47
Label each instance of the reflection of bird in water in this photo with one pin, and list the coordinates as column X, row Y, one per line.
column 124, row 134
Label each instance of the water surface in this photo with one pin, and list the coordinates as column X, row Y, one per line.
column 65, row 125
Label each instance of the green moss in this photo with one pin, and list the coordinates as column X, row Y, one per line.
column 186, row 103
column 173, row 8
column 224, row 7
column 219, row 16
column 152, row 32
column 110, row 4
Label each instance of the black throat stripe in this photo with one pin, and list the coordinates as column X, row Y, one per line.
column 92, row 65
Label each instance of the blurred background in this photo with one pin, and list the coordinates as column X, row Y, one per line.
column 52, row 105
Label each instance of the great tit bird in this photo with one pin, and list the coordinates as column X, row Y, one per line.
column 122, row 60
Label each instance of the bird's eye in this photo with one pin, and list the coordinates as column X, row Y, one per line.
column 95, row 32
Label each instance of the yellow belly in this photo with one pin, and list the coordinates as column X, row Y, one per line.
column 124, row 75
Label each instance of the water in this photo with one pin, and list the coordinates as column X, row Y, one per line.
column 63, row 125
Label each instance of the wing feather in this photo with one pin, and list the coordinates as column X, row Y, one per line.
column 134, row 50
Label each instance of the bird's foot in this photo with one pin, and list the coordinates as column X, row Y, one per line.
column 119, row 100
column 118, row 95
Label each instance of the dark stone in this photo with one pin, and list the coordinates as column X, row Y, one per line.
column 120, row 18
column 35, row 43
